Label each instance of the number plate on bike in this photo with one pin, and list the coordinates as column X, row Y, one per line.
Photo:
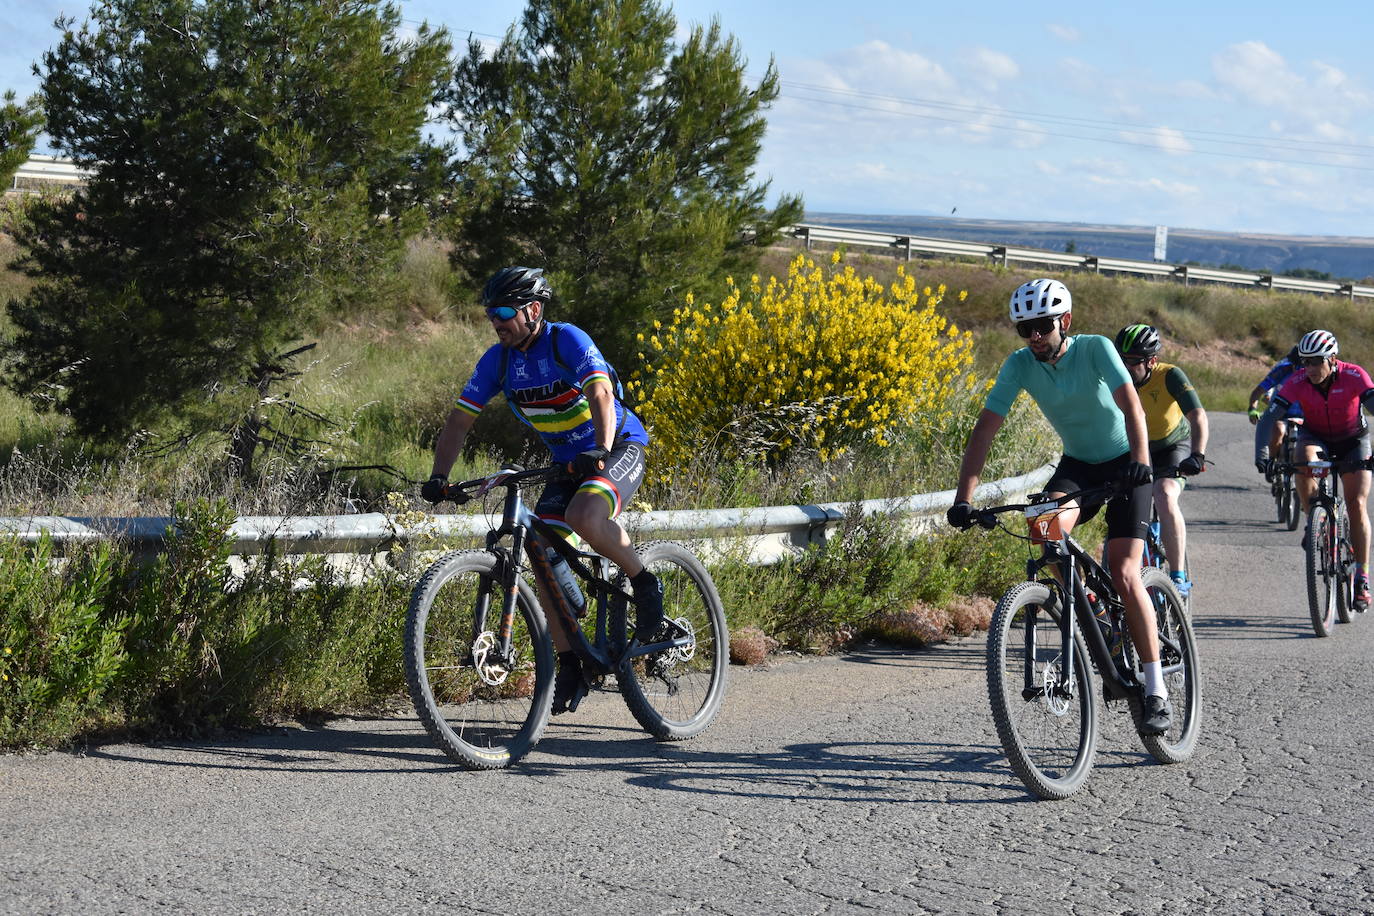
column 1044, row 526
column 1317, row 468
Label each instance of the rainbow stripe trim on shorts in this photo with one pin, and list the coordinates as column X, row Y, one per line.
column 602, row 487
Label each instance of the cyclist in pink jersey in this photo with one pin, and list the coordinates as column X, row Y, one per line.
column 1331, row 394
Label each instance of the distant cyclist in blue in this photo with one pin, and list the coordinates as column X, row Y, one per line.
column 1263, row 422
column 556, row 380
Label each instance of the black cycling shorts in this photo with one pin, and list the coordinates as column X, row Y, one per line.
column 617, row 484
column 1128, row 514
column 1166, row 459
column 1346, row 454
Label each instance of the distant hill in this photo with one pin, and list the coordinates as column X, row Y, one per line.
column 1343, row 257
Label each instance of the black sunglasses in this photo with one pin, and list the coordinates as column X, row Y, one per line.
column 1134, row 360
column 1041, row 326
column 1313, row 360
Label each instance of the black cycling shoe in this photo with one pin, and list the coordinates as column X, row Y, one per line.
column 1157, row 717
column 649, row 617
column 568, row 686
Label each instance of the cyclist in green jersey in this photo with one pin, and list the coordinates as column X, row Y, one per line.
column 1176, row 424
column 1083, row 389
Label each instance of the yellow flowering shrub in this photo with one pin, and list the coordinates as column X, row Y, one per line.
column 821, row 361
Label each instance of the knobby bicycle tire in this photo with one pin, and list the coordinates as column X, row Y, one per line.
column 676, row 694
column 1178, row 657
column 486, row 719
column 1049, row 741
column 1320, row 576
column 1345, row 570
column 1293, row 505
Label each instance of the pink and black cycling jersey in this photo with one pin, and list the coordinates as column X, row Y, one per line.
column 1334, row 415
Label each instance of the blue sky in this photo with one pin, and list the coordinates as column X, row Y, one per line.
column 1250, row 117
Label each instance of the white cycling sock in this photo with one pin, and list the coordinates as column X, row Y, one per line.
column 1154, row 681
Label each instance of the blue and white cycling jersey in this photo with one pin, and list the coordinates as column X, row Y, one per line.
column 1276, row 377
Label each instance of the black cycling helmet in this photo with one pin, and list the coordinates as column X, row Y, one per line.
column 1292, row 356
column 516, row 286
column 1138, row 340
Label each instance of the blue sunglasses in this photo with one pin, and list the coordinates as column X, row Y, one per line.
column 503, row 312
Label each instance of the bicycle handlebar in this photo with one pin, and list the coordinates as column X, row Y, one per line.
column 510, row 476
column 987, row 518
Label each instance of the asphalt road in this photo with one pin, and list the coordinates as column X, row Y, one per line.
column 868, row 782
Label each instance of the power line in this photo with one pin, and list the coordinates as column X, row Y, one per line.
column 967, row 123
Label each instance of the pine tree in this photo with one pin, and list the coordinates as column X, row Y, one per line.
column 255, row 165
column 595, row 147
column 19, row 129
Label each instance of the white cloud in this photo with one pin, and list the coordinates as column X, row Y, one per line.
column 1258, row 74
column 1047, row 168
column 1156, row 185
column 991, row 67
column 1166, row 139
column 1064, row 32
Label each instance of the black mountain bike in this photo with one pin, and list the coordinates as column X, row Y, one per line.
column 479, row 659
column 1046, row 638
column 1330, row 557
column 1282, row 485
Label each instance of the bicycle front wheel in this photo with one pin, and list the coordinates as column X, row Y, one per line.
column 675, row 694
column 1321, row 590
column 1179, row 660
column 486, row 709
column 1049, row 738
column 1292, row 505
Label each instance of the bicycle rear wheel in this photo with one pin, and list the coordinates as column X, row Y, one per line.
column 1345, row 570
column 675, row 694
column 483, row 710
column 1321, row 584
column 1179, row 659
column 1292, row 505
column 1049, row 739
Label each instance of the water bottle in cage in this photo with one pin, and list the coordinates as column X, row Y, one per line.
column 567, row 583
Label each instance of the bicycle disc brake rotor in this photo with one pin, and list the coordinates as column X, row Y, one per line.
column 491, row 673
column 683, row 653
column 1055, row 700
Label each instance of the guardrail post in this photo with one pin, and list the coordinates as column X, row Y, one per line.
column 806, row 236
column 1090, row 263
column 1347, row 290
column 903, row 242
column 999, row 254
column 1266, row 283
column 1182, row 273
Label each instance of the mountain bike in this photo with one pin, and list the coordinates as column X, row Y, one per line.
column 479, row 659
column 1330, row 557
column 1282, row 485
column 1049, row 633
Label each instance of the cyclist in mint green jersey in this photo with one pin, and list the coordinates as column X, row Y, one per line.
column 1084, row 390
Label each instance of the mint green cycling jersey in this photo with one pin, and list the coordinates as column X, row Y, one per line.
column 1074, row 394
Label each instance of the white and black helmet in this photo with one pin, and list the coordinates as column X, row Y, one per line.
column 1318, row 343
column 1042, row 298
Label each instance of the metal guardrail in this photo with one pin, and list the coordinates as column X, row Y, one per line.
column 766, row 534
column 908, row 245
column 47, row 171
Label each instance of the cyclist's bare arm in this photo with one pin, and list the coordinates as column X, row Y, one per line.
column 1197, row 419
column 976, row 453
column 601, row 399
column 1129, row 403
column 451, row 439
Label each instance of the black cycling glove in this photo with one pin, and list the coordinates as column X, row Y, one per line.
column 1194, row 464
column 432, row 490
column 1136, row 474
column 961, row 516
column 590, row 462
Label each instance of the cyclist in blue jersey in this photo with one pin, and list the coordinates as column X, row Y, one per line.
column 1261, row 419
column 1084, row 390
column 556, row 381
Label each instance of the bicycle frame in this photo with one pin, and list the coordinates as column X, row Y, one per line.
column 517, row 523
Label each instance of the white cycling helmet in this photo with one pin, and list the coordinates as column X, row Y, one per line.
column 1318, row 343
column 1040, row 299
